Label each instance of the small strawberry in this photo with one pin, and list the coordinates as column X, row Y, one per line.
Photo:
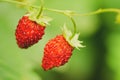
column 28, row 32
column 30, row 28
column 59, row 49
column 56, row 53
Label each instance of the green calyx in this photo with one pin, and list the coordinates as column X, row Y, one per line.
column 74, row 42
column 37, row 16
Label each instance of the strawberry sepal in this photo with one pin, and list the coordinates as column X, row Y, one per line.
column 42, row 20
column 72, row 40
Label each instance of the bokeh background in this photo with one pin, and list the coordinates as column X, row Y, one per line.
column 99, row 60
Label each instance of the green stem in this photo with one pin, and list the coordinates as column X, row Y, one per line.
column 64, row 11
column 41, row 10
column 98, row 12
column 20, row 3
column 15, row 2
column 55, row 10
column 75, row 28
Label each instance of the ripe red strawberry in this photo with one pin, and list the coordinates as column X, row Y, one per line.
column 28, row 32
column 56, row 52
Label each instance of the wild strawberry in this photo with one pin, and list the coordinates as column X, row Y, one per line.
column 56, row 52
column 28, row 32
column 59, row 49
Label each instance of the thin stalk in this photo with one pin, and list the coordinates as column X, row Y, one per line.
column 98, row 12
column 19, row 3
column 41, row 9
column 74, row 27
column 55, row 10
column 14, row 2
column 63, row 11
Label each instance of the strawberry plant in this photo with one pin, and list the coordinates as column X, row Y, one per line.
column 31, row 26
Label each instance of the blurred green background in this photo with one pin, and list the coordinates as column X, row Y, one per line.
column 99, row 60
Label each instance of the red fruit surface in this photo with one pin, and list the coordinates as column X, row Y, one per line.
column 28, row 32
column 56, row 53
